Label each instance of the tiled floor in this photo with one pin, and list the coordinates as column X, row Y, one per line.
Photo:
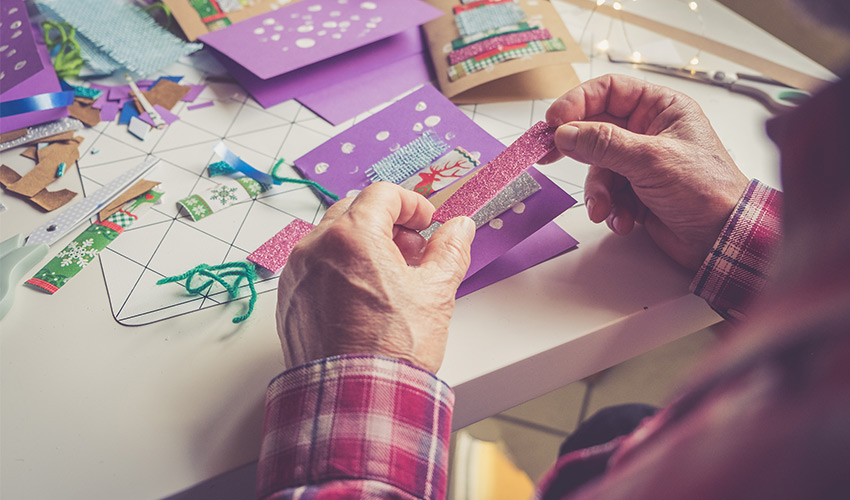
column 529, row 435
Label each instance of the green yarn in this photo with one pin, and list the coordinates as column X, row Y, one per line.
column 241, row 270
column 68, row 59
column 315, row 185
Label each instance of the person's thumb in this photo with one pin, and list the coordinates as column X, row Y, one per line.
column 448, row 249
column 603, row 144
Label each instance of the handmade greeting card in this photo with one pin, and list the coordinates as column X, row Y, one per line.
column 501, row 50
column 424, row 142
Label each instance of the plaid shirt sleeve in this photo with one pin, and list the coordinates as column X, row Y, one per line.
column 738, row 266
column 355, row 427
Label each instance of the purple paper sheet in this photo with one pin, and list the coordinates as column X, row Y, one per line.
column 109, row 110
column 194, row 93
column 352, row 96
column 303, row 33
column 340, row 164
column 20, row 55
column 42, row 82
column 517, row 224
column 200, row 105
column 325, row 73
column 541, row 246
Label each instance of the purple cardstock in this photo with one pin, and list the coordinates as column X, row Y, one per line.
column 541, row 246
column 325, row 73
column 303, row 33
column 339, row 165
column 350, row 97
column 194, row 93
column 44, row 81
column 109, row 111
column 19, row 53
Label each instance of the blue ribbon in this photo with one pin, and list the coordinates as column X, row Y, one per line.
column 38, row 102
column 239, row 164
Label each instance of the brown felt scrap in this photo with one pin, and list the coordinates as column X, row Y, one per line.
column 82, row 110
column 141, row 187
column 45, row 170
column 31, row 153
column 48, row 200
column 165, row 93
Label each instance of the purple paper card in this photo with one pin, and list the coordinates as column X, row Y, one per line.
column 350, row 97
column 541, row 246
column 325, row 73
column 166, row 115
column 303, row 33
column 340, row 164
column 100, row 101
column 43, row 82
column 109, row 111
column 502, row 233
column 17, row 45
column 194, row 93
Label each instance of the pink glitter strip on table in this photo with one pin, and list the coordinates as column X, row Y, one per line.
column 495, row 176
column 273, row 254
column 495, row 42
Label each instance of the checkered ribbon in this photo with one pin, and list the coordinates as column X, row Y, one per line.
column 470, row 66
column 488, row 17
column 408, row 160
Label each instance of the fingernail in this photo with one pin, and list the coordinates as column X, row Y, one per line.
column 566, row 137
column 590, row 202
column 468, row 225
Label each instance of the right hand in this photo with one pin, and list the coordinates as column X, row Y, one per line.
column 654, row 160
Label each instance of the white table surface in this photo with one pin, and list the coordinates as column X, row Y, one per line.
column 93, row 409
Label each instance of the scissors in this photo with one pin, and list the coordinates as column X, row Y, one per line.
column 775, row 95
column 18, row 255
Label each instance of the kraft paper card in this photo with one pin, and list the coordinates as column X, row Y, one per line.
column 510, row 62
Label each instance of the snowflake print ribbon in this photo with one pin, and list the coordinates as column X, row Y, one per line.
column 85, row 247
column 228, row 193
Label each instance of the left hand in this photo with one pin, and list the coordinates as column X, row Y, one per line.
column 364, row 282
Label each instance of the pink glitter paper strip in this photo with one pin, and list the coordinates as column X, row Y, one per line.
column 272, row 255
column 495, row 176
column 489, row 44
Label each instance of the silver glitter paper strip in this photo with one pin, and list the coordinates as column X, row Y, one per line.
column 521, row 188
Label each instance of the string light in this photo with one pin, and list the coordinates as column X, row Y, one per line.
column 617, row 5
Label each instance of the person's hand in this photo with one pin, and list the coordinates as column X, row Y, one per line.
column 365, row 282
column 654, row 160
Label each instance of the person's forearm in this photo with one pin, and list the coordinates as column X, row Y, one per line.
column 356, row 426
column 739, row 264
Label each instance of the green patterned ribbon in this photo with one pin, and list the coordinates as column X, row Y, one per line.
column 529, row 49
column 228, row 193
column 85, row 247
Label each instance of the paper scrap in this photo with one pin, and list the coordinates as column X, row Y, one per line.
column 273, row 254
column 442, row 172
column 165, row 93
column 47, row 200
column 194, row 93
column 127, row 111
column 138, row 127
column 200, row 105
column 44, row 171
column 82, row 110
column 109, row 111
column 166, row 115
column 141, row 187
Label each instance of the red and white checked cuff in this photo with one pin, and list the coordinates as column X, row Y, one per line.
column 739, row 264
column 355, row 425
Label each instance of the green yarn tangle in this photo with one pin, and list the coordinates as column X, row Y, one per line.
column 315, row 185
column 63, row 48
column 221, row 274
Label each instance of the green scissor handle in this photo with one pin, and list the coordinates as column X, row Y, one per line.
column 16, row 259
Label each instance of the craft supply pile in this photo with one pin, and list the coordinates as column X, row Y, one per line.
column 209, row 136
